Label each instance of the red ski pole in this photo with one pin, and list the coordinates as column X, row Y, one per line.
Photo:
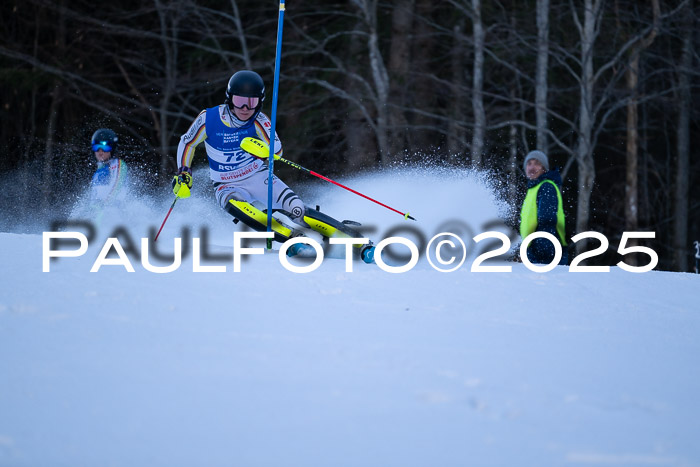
column 259, row 149
column 166, row 218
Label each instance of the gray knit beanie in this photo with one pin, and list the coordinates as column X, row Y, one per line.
column 540, row 156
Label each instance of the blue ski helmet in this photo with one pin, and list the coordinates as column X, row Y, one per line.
column 104, row 139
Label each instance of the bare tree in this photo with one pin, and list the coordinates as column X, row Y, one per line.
column 321, row 65
column 632, row 81
column 456, row 132
column 588, row 31
column 479, row 34
column 512, row 167
column 359, row 137
column 168, row 19
column 541, row 73
column 57, row 97
column 240, row 31
column 399, row 70
column 424, row 80
column 380, row 77
column 682, row 176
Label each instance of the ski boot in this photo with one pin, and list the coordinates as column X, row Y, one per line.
column 367, row 253
column 301, row 250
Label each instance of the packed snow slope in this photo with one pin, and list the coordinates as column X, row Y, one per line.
column 266, row 367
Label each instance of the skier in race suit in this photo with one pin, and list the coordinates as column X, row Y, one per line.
column 241, row 179
column 109, row 180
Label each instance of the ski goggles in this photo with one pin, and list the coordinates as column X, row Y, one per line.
column 241, row 101
column 103, row 145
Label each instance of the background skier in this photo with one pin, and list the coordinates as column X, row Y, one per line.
column 108, row 183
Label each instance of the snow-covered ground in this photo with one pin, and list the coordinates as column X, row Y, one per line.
column 266, row 367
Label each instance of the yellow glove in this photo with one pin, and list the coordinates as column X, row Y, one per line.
column 182, row 183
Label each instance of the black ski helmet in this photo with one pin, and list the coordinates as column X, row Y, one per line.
column 246, row 83
column 104, row 137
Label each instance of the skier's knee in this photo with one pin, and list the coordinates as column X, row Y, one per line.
column 297, row 211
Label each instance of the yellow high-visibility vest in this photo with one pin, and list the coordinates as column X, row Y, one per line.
column 528, row 214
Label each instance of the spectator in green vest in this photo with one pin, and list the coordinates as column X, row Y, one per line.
column 543, row 209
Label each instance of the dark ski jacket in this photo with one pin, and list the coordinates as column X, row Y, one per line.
column 541, row 250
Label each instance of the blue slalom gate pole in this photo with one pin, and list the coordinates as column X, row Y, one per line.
column 273, row 120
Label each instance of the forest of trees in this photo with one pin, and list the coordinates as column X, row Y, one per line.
column 605, row 87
